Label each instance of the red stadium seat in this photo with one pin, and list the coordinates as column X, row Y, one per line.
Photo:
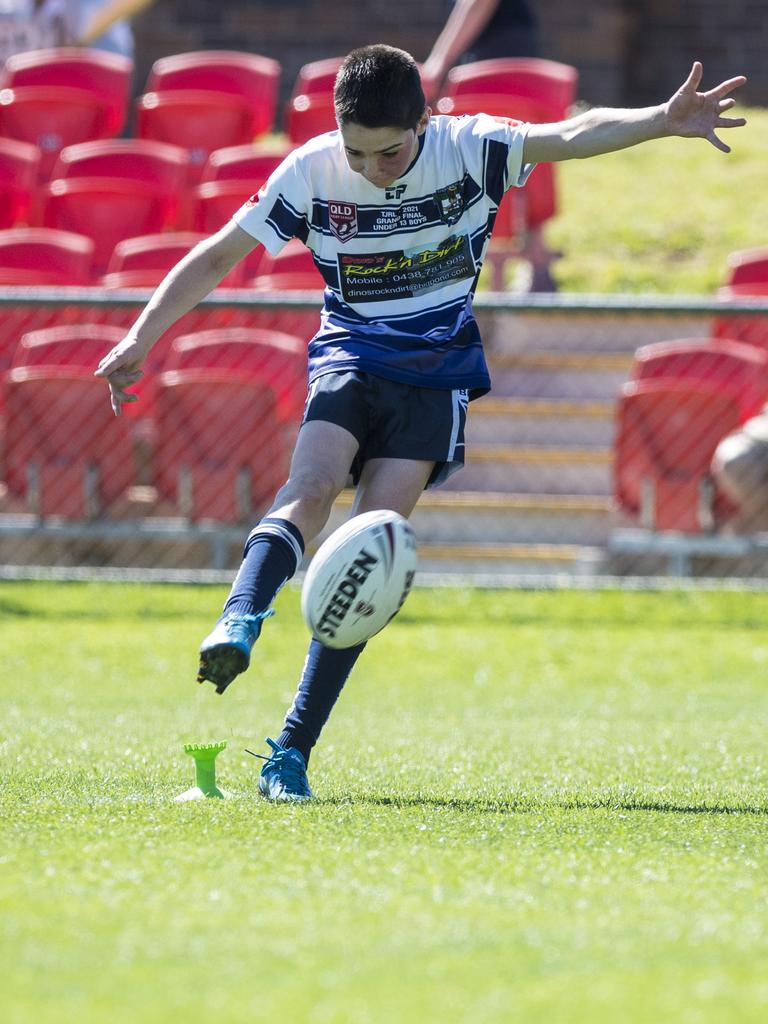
column 290, row 281
column 195, row 120
column 146, row 280
column 52, row 117
column 55, row 257
column 153, row 252
column 272, row 357
column 79, row 345
column 732, row 367
column 106, row 75
column 106, row 210
column 214, row 202
column 223, row 454
column 308, row 116
column 245, row 163
column 666, row 435
column 317, row 77
column 250, row 76
column 66, row 453
column 304, row 323
column 752, row 328
column 19, row 165
column 22, row 278
column 550, row 84
column 142, row 159
column 144, row 261
column 294, row 258
column 748, row 266
column 502, row 105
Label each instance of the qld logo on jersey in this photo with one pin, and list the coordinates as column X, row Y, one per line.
column 342, row 218
column 450, row 202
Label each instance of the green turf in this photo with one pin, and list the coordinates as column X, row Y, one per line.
column 661, row 217
column 532, row 807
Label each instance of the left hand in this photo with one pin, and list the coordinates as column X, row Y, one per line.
column 695, row 114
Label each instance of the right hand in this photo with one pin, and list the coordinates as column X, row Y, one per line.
column 121, row 368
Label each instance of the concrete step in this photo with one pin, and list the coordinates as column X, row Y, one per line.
column 503, row 420
column 566, row 330
column 465, row 517
column 566, row 375
column 509, row 559
column 535, row 469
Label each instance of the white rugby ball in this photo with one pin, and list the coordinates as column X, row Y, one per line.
column 359, row 578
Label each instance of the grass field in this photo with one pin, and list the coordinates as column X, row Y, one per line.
column 531, row 807
column 661, row 217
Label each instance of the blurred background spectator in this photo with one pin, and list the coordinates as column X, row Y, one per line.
column 486, row 30
column 740, row 469
column 106, row 24
column 481, row 30
column 34, row 24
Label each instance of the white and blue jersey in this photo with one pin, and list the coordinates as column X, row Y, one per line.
column 400, row 264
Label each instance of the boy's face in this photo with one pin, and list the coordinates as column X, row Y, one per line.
column 382, row 155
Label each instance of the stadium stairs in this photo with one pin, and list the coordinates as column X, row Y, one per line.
column 534, row 497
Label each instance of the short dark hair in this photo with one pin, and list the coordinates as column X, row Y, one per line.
column 379, row 87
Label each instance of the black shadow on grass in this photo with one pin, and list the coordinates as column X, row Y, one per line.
column 522, row 805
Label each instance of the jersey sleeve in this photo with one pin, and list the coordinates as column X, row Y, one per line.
column 280, row 210
column 492, row 148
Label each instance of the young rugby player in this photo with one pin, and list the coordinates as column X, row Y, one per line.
column 397, row 208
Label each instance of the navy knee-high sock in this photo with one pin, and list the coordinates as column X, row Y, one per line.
column 271, row 556
column 322, row 680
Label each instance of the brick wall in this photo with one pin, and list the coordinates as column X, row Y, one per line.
column 626, row 52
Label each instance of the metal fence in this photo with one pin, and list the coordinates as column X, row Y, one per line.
column 591, row 458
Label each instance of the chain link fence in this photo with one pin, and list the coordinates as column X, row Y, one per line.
column 607, row 447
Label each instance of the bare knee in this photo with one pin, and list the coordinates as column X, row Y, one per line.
column 306, row 500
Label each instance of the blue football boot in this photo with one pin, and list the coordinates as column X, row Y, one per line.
column 226, row 651
column 284, row 775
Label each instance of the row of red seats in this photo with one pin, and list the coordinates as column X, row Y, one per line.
column 22, row 318
column 212, row 433
column 684, row 397
column 57, row 97
column 201, row 102
column 118, row 188
column 49, row 256
column 50, row 94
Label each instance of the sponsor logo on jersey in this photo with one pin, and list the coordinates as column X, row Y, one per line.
column 395, row 191
column 450, row 202
column 342, row 218
column 376, row 277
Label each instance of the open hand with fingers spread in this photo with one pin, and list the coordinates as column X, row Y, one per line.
column 121, row 368
column 695, row 114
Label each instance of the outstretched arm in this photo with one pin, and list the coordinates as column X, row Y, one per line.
column 688, row 113
column 191, row 280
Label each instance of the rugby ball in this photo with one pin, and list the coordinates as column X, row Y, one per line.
column 359, row 578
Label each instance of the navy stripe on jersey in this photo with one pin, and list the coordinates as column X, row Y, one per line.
column 287, row 222
column 496, row 156
column 404, row 218
column 456, row 362
column 434, row 322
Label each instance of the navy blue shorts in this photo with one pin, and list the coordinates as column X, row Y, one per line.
column 391, row 420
